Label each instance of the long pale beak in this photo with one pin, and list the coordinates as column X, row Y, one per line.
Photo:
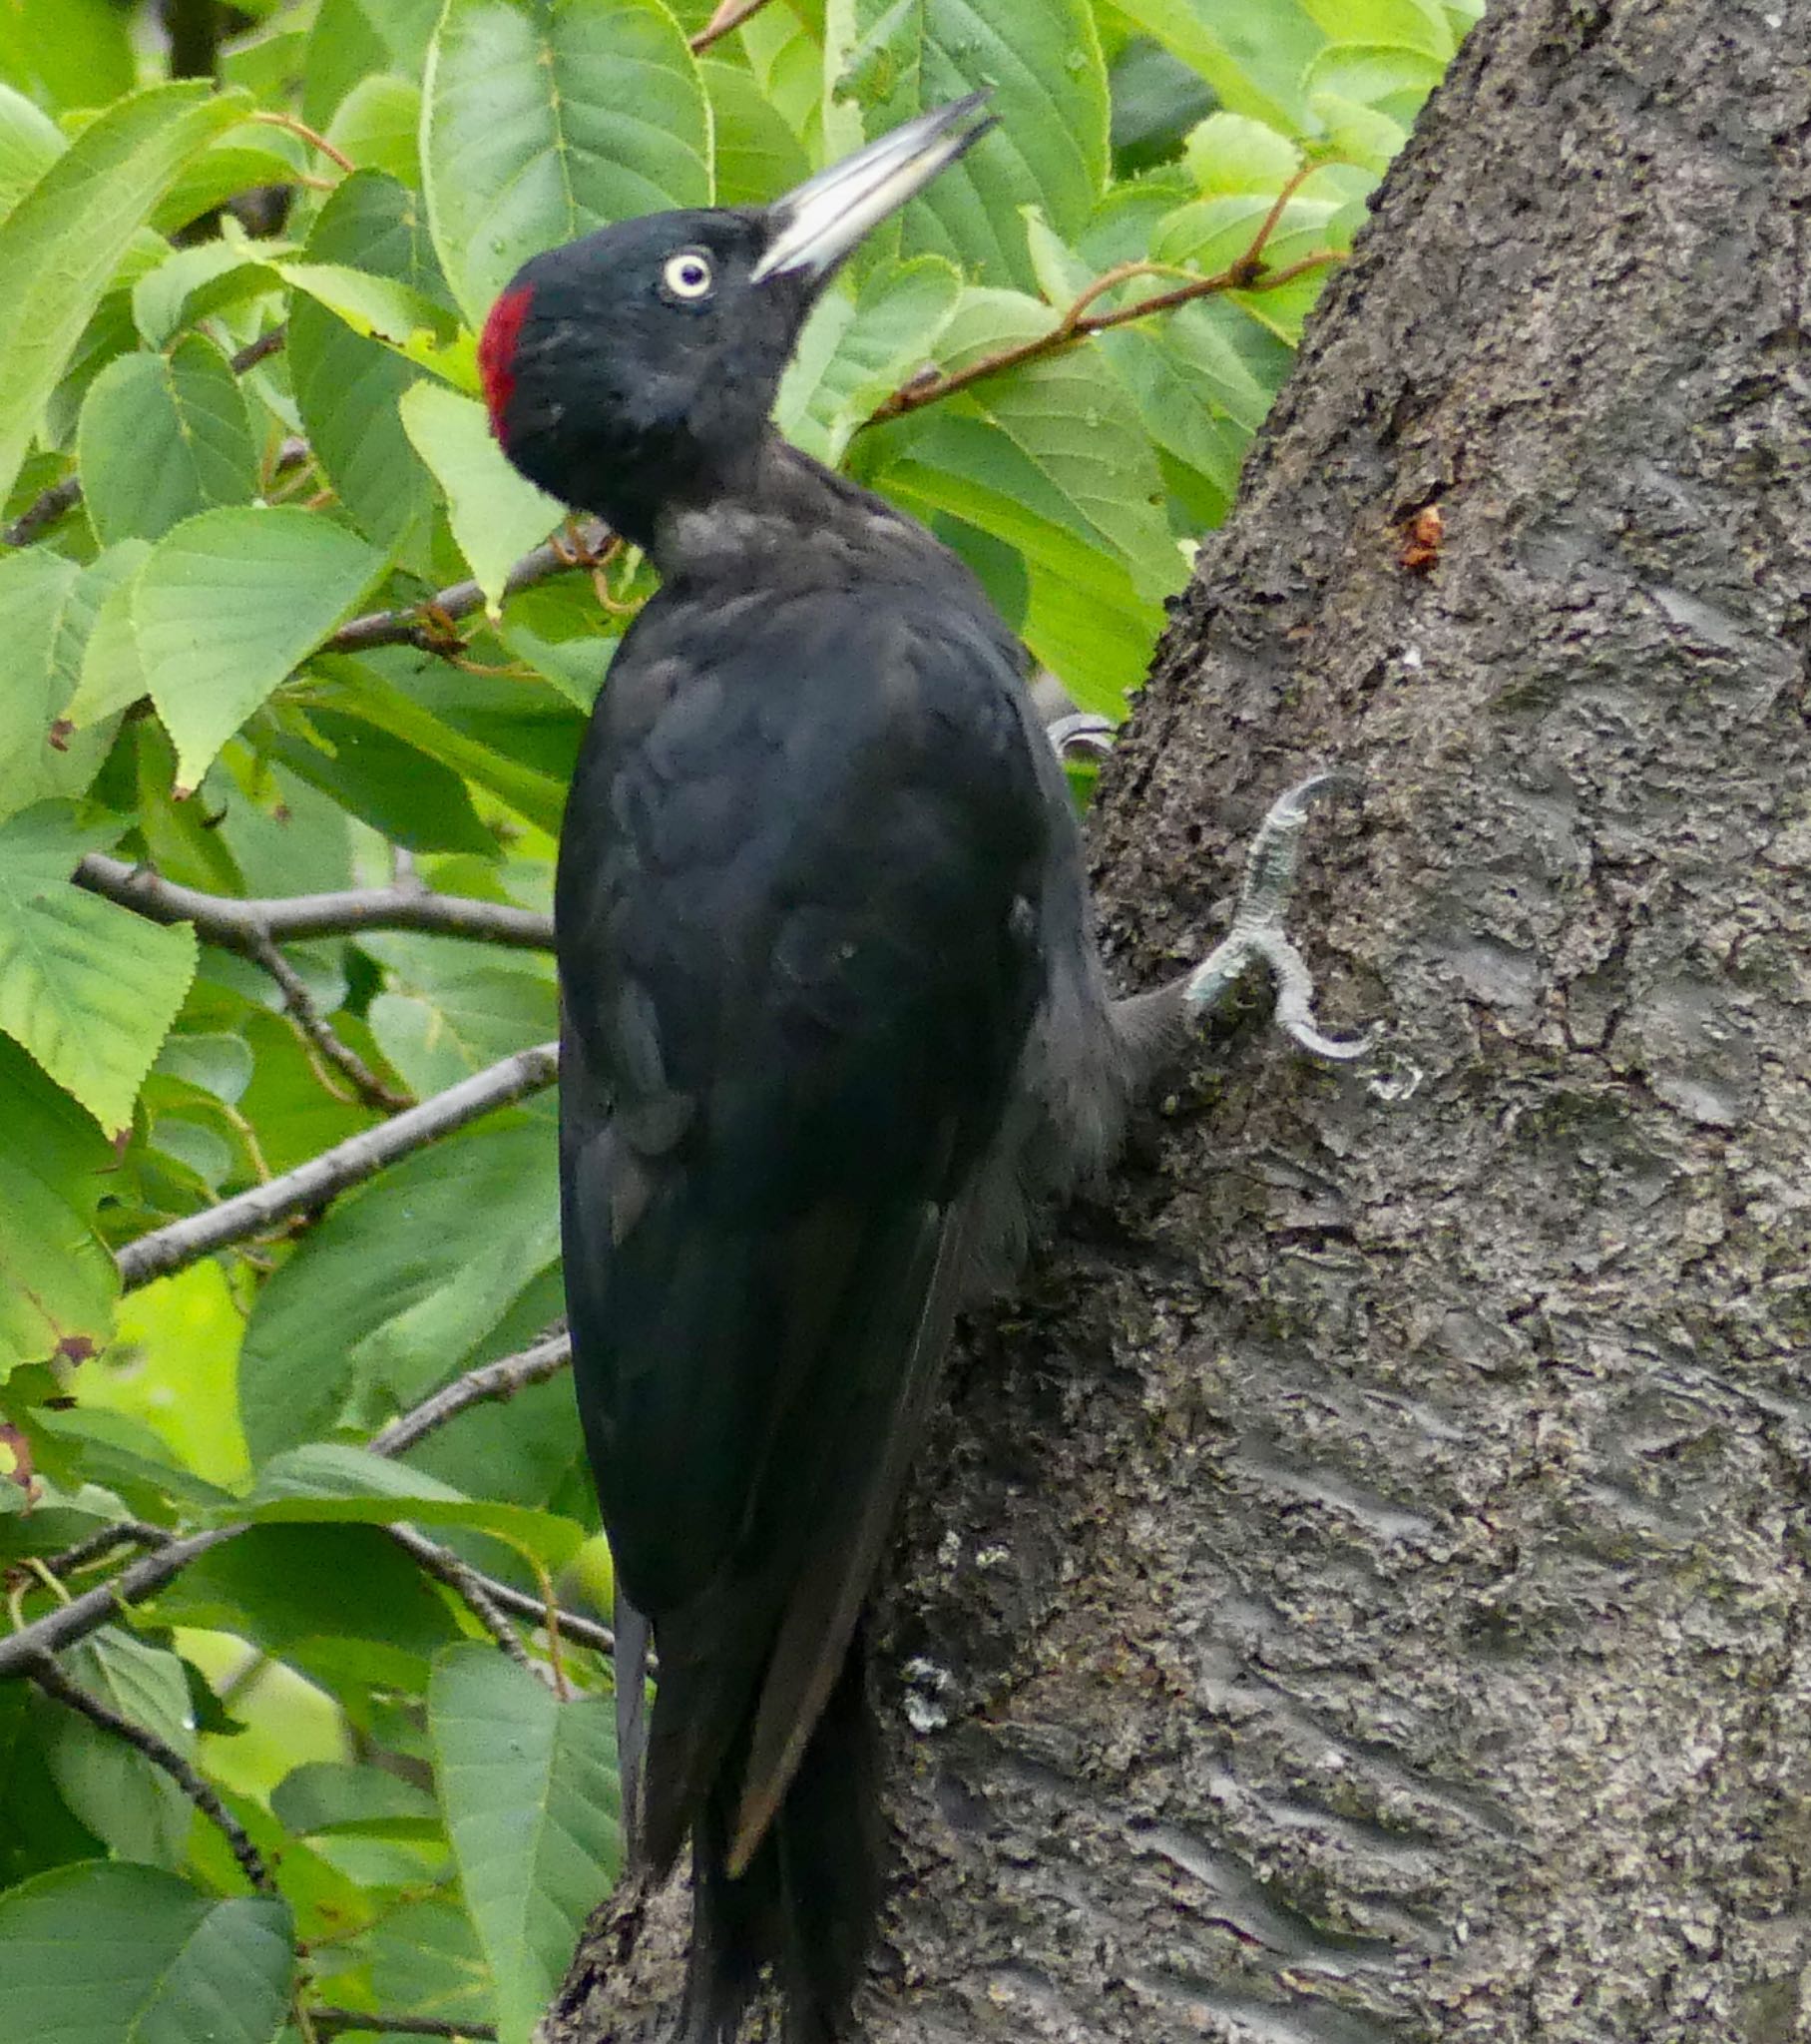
column 817, row 223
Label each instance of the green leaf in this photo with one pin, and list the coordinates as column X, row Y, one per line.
column 405, row 319
column 118, row 1793
column 857, row 349
column 1409, row 25
column 49, row 605
column 390, row 784
column 335, row 1796
column 544, row 119
column 541, row 798
column 30, row 142
column 346, row 386
column 69, row 53
column 398, row 1282
column 450, row 1009
column 219, row 173
column 305, row 1593
column 496, row 514
column 378, row 126
column 224, row 608
column 106, row 1955
column 57, row 1282
column 60, row 246
column 1044, row 455
column 1251, row 52
column 425, row 1961
column 335, row 1485
column 89, row 988
column 1049, row 93
column 162, row 437
column 757, row 155
column 529, row 1787
column 1233, row 153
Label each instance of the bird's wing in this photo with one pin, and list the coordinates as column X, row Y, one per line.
column 799, row 958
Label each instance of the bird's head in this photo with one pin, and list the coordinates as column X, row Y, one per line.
column 636, row 368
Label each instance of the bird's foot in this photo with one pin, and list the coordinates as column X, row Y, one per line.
column 1079, row 731
column 1257, row 929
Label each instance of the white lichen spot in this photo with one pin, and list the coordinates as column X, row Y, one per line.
column 927, row 1687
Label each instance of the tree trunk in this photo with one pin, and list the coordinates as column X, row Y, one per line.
column 1356, row 1595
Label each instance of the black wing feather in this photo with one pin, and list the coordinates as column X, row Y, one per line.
column 798, row 960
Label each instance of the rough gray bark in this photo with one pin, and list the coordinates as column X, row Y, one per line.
column 1359, row 1591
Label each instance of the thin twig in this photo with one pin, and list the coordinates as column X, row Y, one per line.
column 428, row 624
column 347, row 1163
column 255, row 351
column 121, row 1533
column 466, row 1583
column 312, row 137
column 51, row 1679
column 43, row 511
column 107, row 1601
column 1246, row 273
column 294, row 918
column 500, row 1379
column 729, row 17
column 336, row 2022
column 319, row 1032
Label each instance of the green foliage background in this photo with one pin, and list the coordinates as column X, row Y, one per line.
column 236, row 413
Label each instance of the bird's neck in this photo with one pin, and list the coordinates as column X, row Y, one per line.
column 775, row 501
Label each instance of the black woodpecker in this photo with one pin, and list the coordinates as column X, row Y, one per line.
column 833, row 1025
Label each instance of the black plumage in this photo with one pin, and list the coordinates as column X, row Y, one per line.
column 832, row 1021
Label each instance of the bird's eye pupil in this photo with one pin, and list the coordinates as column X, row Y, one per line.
column 688, row 275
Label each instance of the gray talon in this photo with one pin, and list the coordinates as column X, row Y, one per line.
column 1079, row 731
column 1257, row 927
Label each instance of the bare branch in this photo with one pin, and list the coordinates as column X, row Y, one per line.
column 107, row 1601
column 120, row 1533
column 586, row 1631
column 336, row 2022
column 51, row 1679
column 98, row 1606
column 499, row 1379
column 426, row 624
column 314, row 1026
column 466, row 1583
column 347, row 1163
column 237, row 925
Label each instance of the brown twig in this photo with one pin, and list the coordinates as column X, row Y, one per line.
column 347, row 1163
column 500, row 1379
column 336, row 2022
column 268, row 343
column 291, row 919
column 51, row 1679
column 312, row 137
column 1246, row 273
column 320, row 1033
column 43, row 511
column 729, row 17
column 428, row 625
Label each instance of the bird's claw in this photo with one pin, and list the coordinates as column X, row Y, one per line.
column 1257, row 927
column 1079, row 731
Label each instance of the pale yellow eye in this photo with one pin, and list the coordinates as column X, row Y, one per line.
column 688, row 275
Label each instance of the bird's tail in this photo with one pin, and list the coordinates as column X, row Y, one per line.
column 806, row 1902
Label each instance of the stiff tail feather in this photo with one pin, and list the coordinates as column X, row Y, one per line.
column 806, row 1903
